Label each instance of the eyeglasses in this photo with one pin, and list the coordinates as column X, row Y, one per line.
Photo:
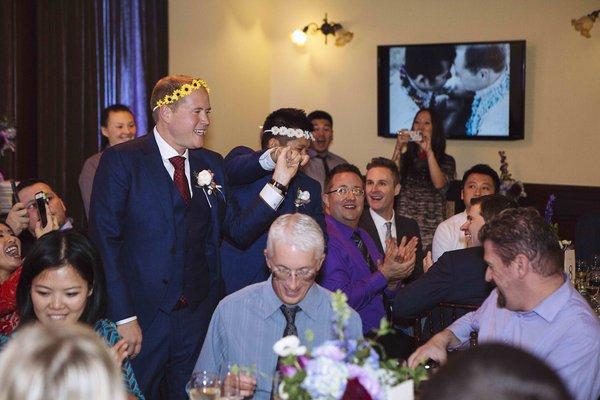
column 343, row 191
column 284, row 274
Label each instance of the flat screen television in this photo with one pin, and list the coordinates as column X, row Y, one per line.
column 476, row 89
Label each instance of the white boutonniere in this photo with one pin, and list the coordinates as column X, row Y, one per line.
column 205, row 181
column 302, row 198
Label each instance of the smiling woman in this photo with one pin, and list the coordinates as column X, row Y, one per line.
column 10, row 271
column 62, row 283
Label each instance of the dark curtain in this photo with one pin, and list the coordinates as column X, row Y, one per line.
column 62, row 62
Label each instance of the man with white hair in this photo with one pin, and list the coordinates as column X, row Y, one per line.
column 247, row 323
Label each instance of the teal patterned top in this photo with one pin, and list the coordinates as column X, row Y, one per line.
column 108, row 331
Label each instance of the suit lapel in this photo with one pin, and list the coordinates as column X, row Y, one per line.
column 199, row 162
column 158, row 177
column 369, row 226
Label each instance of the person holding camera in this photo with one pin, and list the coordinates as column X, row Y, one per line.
column 425, row 173
column 26, row 216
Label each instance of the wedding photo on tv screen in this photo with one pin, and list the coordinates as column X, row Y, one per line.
column 477, row 90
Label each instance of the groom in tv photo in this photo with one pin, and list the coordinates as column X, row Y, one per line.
column 159, row 206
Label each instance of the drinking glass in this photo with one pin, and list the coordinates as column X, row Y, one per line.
column 593, row 282
column 203, row 386
column 230, row 382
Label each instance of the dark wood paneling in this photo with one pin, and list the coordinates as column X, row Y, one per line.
column 571, row 202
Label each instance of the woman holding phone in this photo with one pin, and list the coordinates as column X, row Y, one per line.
column 425, row 173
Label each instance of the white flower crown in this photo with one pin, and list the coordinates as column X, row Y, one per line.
column 290, row 132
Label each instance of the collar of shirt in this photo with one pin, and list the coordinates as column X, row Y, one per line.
column 380, row 221
column 165, row 149
column 67, row 225
column 166, row 152
column 271, row 302
column 552, row 304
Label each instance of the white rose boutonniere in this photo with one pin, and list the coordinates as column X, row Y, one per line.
column 205, row 181
column 302, row 198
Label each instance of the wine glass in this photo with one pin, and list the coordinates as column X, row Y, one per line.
column 230, row 382
column 593, row 282
column 203, row 386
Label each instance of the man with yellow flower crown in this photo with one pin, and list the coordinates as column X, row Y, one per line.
column 158, row 209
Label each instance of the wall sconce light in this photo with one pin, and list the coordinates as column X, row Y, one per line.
column 585, row 23
column 342, row 36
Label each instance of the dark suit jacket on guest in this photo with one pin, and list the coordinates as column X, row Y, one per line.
column 457, row 277
column 404, row 227
column 245, row 265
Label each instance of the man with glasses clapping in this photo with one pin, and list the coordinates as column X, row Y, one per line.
column 354, row 264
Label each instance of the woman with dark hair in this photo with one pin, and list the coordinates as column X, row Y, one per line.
column 425, row 174
column 10, row 270
column 62, row 282
column 117, row 125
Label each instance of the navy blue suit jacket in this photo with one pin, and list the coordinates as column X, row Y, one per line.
column 404, row 227
column 245, row 265
column 146, row 250
column 457, row 277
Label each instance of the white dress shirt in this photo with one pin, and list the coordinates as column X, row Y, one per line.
column 381, row 228
column 448, row 236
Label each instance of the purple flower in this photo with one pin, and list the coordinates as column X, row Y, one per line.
column 549, row 212
column 368, row 380
column 287, row 370
column 303, row 360
column 330, row 350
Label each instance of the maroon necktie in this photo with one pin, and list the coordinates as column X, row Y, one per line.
column 180, row 179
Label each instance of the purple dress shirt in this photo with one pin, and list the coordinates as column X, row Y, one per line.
column 562, row 330
column 346, row 269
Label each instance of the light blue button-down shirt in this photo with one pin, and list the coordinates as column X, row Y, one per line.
column 562, row 330
column 247, row 323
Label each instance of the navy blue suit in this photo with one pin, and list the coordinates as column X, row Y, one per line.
column 156, row 249
column 245, row 265
column 457, row 277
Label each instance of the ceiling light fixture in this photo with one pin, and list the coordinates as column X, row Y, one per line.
column 342, row 36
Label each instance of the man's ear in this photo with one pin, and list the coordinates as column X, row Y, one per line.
column 320, row 262
column 325, row 200
column 485, row 75
column 104, row 131
column 165, row 113
column 397, row 190
column 522, row 265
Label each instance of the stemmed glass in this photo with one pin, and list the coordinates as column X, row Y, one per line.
column 230, row 382
column 593, row 282
column 203, row 386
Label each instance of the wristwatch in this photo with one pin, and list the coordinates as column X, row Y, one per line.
column 278, row 186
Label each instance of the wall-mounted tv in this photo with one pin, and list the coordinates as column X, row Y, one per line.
column 476, row 89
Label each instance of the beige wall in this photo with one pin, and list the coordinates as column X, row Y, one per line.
column 242, row 49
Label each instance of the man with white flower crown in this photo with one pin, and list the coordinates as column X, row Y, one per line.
column 248, row 323
column 248, row 171
column 159, row 207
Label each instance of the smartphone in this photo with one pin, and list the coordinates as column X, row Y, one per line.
column 15, row 198
column 40, row 203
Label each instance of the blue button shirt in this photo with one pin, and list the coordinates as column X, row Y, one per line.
column 562, row 330
column 247, row 323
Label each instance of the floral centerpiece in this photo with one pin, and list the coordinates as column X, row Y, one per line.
column 8, row 136
column 509, row 186
column 548, row 214
column 342, row 368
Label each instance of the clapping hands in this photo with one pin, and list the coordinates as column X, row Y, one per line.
column 399, row 261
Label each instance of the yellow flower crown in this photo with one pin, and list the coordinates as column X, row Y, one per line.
column 180, row 93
